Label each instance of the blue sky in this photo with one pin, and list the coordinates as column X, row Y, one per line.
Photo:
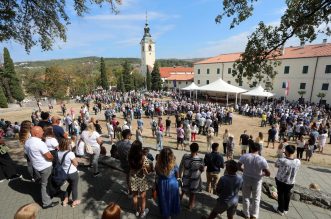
column 181, row 29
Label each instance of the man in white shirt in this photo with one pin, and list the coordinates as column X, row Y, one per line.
column 255, row 167
column 41, row 160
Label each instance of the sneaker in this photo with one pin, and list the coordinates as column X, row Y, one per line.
column 137, row 213
column 96, row 174
column 16, row 176
column 275, row 207
column 145, row 213
column 1, row 181
column 285, row 212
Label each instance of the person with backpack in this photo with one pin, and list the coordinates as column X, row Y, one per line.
column 69, row 165
column 153, row 127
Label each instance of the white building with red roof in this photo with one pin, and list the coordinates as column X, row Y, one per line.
column 176, row 77
column 303, row 68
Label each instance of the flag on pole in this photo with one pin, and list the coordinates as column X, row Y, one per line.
column 287, row 88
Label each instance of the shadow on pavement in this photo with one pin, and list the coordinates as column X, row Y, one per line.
column 323, row 170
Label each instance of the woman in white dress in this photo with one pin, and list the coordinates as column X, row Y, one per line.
column 322, row 140
column 93, row 138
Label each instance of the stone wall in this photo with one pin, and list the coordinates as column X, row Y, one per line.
column 302, row 194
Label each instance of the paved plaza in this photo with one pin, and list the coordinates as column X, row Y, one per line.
column 95, row 193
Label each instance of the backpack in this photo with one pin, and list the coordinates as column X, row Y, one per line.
column 154, row 124
column 59, row 176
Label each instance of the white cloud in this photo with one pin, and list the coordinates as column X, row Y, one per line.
column 129, row 42
column 235, row 43
column 132, row 17
column 161, row 30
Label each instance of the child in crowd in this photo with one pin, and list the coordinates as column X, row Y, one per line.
column 112, row 211
column 227, row 189
column 159, row 139
column 98, row 127
column 281, row 148
column 210, row 137
column 110, row 129
column 229, row 148
column 310, row 147
column 118, row 131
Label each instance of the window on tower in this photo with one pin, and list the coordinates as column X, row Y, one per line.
column 143, row 48
column 149, row 47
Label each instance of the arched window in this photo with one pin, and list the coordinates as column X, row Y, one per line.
column 149, row 48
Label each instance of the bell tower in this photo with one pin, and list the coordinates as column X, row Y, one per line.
column 147, row 46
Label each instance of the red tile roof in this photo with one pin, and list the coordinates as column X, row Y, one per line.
column 165, row 71
column 290, row 53
column 180, row 77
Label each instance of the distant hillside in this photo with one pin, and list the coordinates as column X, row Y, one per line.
column 93, row 61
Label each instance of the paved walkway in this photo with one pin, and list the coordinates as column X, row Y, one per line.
column 97, row 192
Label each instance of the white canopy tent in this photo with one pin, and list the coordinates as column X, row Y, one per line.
column 192, row 87
column 221, row 86
column 258, row 92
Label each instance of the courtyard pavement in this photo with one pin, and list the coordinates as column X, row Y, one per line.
column 95, row 193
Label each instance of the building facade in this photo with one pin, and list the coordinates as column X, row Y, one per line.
column 175, row 78
column 303, row 68
column 147, row 47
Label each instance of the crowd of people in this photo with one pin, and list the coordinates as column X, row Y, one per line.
column 51, row 141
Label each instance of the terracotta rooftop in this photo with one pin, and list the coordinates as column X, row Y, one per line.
column 180, row 77
column 307, row 51
column 165, row 71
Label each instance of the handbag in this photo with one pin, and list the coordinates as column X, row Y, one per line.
column 88, row 148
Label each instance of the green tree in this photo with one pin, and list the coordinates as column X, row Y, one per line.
column 148, row 79
column 56, row 84
column 103, row 77
column 321, row 95
column 3, row 99
column 302, row 19
column 139, row 80
column 120, row 83
column 34, row 83
column 301, row 93
column 12, row 81
column 156, row 83
column 127, row 76
column 41, row 22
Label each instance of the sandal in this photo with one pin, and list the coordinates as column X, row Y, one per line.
column 75, row 203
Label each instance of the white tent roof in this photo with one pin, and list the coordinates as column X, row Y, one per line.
column 222, row 86
column 192, row 86
column 258, row 92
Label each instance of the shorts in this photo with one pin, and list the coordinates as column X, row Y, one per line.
column 180, row 140
column 272, row 139
column 222, row 207
column 244, row 147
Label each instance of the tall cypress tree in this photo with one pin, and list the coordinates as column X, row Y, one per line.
column 15, row 87
column 3, row 99
column 148, row 79
column 156, row 78
column 127, row 77
column 103, row 77
column 120, row 83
